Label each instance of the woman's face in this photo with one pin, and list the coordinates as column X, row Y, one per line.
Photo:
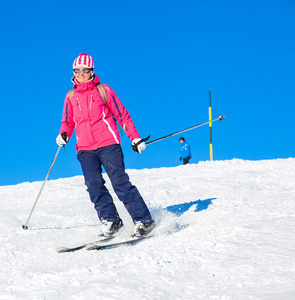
column 83, row 74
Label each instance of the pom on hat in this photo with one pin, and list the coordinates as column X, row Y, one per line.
column 83, row 60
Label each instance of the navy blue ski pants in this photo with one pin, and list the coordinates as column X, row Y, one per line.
column 111, row 158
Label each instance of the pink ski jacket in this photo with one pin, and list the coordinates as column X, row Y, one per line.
column 93, row 121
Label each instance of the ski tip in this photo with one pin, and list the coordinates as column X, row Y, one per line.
column 62, row 249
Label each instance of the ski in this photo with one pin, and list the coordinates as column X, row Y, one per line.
column 102, row 243
column 132, row 240
column 72, row 249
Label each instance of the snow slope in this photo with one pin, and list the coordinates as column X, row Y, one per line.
column 239, row 244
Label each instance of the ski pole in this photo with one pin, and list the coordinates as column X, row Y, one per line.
column 172, row 134
column 25, row 226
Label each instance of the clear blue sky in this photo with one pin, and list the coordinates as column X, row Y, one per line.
column 161, row 58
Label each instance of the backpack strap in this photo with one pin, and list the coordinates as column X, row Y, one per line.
column 71, row 93
column 102, row 93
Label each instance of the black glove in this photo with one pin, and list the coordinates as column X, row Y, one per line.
column 180, row 158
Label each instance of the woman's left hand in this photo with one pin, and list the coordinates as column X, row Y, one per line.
column 138, row 145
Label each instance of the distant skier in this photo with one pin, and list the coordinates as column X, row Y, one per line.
column 185, row 151
column 98, row 144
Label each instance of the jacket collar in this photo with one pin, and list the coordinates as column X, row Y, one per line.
column 85, row 86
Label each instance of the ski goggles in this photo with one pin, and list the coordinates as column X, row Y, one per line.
column 84, row 70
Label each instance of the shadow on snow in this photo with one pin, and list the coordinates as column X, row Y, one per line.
column 179, row 209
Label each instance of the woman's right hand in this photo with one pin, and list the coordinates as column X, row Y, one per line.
column 62, row 139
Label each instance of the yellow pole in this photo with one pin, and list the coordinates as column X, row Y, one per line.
column 210, row 126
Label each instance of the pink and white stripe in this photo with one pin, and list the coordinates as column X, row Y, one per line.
column 83, row 60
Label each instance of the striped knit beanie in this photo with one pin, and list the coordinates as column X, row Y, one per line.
column 83, row 60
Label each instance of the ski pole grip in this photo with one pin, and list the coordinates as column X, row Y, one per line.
column 134, row 146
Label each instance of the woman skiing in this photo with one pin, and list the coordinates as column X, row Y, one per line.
column 98, row 144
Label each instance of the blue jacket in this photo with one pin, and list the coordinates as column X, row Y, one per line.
column 185, row 150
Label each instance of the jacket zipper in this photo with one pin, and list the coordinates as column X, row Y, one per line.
column 78, row 103
column 91, row 100
column 88, row 110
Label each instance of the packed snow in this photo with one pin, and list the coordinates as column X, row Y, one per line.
column 239, row 242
